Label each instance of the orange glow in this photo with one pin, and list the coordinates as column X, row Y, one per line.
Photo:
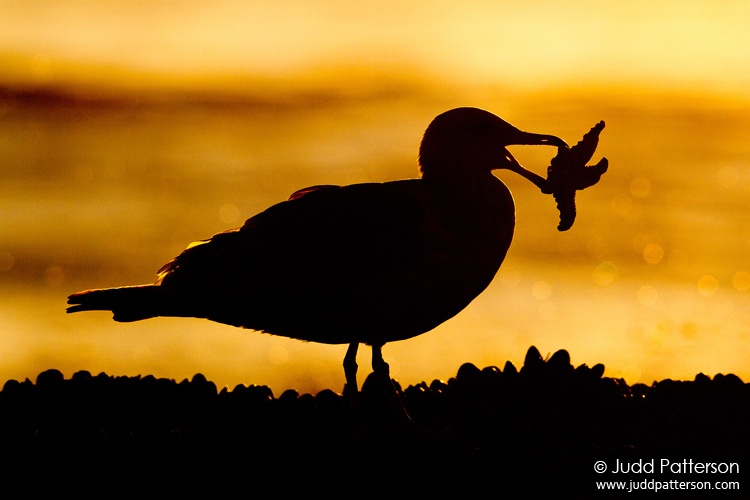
column 228, row 44
column 129, row 130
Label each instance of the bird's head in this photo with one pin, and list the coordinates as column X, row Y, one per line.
column 468, row 141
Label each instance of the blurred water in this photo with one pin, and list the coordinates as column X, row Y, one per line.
column 652, row 280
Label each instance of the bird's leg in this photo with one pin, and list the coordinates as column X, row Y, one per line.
column 350, row 373
column 350, row 368
column 383, row 372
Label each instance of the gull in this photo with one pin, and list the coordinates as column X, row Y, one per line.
column 367, row 263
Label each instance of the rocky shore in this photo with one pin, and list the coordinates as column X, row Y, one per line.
column 533, row 432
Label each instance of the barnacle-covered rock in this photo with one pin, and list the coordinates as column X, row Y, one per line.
column 568, row 173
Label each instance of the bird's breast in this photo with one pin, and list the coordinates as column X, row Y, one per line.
column 464, row 241
column 474, row 234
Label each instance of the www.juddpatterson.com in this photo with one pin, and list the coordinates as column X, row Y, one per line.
column 702, row 475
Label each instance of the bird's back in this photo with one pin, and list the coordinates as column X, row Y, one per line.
column 365, row 263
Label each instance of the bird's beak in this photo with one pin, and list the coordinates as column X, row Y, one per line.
column 529, row 139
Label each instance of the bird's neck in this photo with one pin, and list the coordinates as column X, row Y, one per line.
column 471, row 200
column 465, row 181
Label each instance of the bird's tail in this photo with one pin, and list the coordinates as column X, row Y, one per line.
column 130, row 303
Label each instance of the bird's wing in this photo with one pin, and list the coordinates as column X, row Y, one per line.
column 322, row 242
column 262, row 234
column 302, row 192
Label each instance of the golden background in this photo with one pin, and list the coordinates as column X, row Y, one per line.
column 129, row 129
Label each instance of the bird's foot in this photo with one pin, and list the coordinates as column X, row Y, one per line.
column 351, row 390
column 382, row 371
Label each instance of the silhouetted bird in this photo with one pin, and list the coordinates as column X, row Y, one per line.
column 365, row 263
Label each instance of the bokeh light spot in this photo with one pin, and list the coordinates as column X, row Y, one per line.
column 740, row 280
column 605, row 273
column 653, row 253
column 708, row 285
